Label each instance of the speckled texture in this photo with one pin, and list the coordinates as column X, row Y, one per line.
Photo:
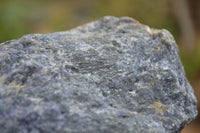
column 113, row 75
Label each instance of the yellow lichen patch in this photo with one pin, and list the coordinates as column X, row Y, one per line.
column 36, row 34
column 159, row 48
column 59, row 78
column 6, row 55
column 164, row 35
column 3, row 79
column 134, row 113
column 160, row 74
column 150, row 84
column 158, row 107
column 16, row 86
column 168, row 37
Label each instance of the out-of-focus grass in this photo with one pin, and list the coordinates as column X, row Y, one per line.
column 191, row 62
column 20, row 17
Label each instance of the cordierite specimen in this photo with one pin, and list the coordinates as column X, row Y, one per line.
column 113, row 75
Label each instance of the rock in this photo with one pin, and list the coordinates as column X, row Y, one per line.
column 111, row 75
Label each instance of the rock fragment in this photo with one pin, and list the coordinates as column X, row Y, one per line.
column 111, row 75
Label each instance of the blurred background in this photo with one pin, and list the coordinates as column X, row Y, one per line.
column 180, row 17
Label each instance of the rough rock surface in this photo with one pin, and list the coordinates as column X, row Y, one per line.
column 113, row 75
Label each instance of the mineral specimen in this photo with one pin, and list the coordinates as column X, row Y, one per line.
column 113, row 75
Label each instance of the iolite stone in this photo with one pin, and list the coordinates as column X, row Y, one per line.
column 113, row 75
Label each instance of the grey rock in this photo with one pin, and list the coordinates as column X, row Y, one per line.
column 113, row 75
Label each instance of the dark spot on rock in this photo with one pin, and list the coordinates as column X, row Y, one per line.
column 27, row 43
column 72, row 68
column 115, row 43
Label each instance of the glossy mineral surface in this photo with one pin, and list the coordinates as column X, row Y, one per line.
column 113, row 75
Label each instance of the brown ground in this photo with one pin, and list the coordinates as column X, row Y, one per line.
column 194, row 127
